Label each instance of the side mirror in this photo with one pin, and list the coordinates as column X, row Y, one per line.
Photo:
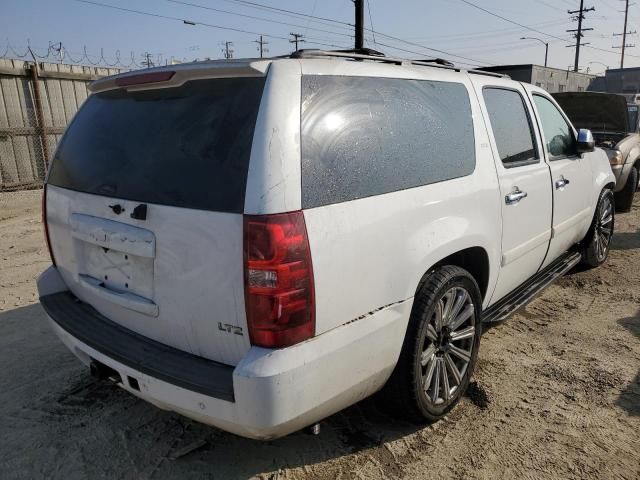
column 586, row 143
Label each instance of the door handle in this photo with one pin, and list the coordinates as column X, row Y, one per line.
column 515, row 196
column 562, row 182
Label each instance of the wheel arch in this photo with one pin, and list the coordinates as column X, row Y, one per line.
column 475, row 260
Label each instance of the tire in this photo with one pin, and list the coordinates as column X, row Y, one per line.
column 624, row 198
column 430, row 352
column 596, row 245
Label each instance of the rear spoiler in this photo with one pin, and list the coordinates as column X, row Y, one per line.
column 176, row 75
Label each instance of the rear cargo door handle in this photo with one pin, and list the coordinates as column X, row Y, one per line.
column 515, row 196
column 562, row 182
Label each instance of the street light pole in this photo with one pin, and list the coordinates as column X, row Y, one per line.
column 546, row 47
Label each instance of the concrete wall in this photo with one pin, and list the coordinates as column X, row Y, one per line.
column 616, row 80
column 551, row 79
column 556, row 80
column 33, row 115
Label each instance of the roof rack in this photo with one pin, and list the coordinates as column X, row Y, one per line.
column 361, row 51
column 374, row 55
column 368, row 54
column 439, row 61
column 488, row 74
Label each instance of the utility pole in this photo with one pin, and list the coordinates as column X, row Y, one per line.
column 624, row 34
column 297, row 38
column 261, row 43
column 359, row 4
column 227, row 51
column 59, row 49
column 147, row 62
column 578, row 32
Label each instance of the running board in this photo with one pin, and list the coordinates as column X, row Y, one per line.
column 529, row 289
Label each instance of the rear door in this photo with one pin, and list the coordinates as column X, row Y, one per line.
column 524, row 182
column 145, row 203
column 570, row 176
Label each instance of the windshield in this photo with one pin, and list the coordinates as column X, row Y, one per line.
column 187, row 146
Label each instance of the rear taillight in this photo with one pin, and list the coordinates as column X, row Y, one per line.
column 279, row 291
column 45, row 223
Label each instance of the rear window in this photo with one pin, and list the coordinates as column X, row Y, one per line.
column 187, row 146
column 365, row 136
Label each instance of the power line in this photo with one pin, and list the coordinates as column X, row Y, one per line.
column 448, row 54
column 244, row 15
column 489, row 12
column 167, row 17
column 473, row 65
column 470, row 36
column 290, row 12
column 371, row 23
column 549, row 5
column 220, row 27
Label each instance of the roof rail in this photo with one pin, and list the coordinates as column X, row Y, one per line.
column 362, row 51
column 439, row 61
column 354, row 54
column 488, row 74
column 373, row 55
column 369, row 54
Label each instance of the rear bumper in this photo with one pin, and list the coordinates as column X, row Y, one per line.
column 269, row 394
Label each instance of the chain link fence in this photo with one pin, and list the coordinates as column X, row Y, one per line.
column 37, row 101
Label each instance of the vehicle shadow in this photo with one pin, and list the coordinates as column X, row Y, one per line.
column 625, row 241
column 49, row 404
column 629, row 398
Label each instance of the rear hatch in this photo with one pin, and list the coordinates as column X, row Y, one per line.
column 145, row 198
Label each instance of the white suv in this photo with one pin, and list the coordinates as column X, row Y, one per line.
column 259, row 244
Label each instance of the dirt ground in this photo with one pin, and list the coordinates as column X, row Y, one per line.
column 556, row 395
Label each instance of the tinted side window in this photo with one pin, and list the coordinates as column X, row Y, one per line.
column 366, row 136
column 511, row 127
column 558, row 134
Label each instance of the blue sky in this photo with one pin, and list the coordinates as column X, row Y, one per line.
column 464, row 33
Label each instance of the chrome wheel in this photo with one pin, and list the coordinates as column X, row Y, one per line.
column 448, row 345
column 603, row 228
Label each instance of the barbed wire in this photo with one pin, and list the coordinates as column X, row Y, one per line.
column 57, row 53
